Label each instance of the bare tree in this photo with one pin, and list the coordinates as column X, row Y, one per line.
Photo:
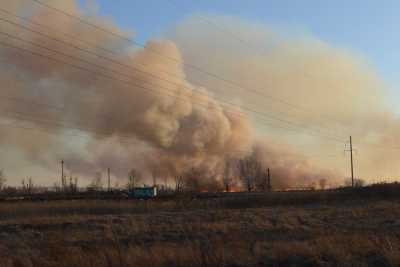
column 3, row 180
column 133, row 178
column 322, row 183
column 97, row 183
column 358, row 182
column 57, row 187
column 116, row 185
column 227, row 178
column 249, row 169
column 23, row 185
column 262, row 179
column 73, row 184
column 191, row 180
column 28, row 187
column 178, row 183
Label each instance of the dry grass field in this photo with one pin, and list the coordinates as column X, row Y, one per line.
column 240, row 231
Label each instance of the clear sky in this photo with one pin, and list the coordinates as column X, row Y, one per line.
column 369, row 27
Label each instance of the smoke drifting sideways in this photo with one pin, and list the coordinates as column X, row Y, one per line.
column 141, row 108
column 338, row 91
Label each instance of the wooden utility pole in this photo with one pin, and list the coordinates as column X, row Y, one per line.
column 351, row 163
column 62, row 175
column 109, row 179
column 268, row 180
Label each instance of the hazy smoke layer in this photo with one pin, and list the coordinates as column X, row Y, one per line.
column 136, row 102
column 137, row 108
column 338, row 91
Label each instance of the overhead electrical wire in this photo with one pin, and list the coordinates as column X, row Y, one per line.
column 96, row 46
column 42, row 125
column 93, row 72
column 195, row 67
column 124, row 65
column 235, row 36
column 153, row 91
column 30, row 118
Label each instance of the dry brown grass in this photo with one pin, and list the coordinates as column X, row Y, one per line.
column 199, row 233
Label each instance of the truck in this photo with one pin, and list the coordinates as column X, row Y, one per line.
column 145, row 192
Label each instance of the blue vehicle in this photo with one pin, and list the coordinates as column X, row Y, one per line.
column 145, row 192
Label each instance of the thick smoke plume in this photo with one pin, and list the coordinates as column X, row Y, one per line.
column 336, row 92
column 135, row 102
column 142, row 108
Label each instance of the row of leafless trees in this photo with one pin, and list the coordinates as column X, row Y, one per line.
column 238, row 174
column 246, row 174
column 253, row 175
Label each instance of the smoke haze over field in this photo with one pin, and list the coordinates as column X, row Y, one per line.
column 137, row 108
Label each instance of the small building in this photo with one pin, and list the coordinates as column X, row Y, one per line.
column 143, row 192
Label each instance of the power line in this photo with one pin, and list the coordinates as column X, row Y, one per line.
column 235, row 36
column 123, row 81
column 199, row 69
column 24, row 115
column 39, row 126
column 57, row 30
column 379, row 146
column 201, row 105
column 83, row 41
column 60, row 109
column 49, row 122
column 78, row 39
column 125, row 65
column 101, row 67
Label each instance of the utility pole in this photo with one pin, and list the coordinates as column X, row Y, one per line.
column 62, row 174
column 351, row 163
column 109, row 179
column 268, row 180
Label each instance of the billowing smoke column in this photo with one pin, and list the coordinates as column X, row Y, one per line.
column 332, row 91
column 140, row 108
column 136, row 102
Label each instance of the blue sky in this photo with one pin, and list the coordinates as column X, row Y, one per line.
column 368, row 27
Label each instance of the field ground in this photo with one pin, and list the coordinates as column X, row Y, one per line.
column 242, row 231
